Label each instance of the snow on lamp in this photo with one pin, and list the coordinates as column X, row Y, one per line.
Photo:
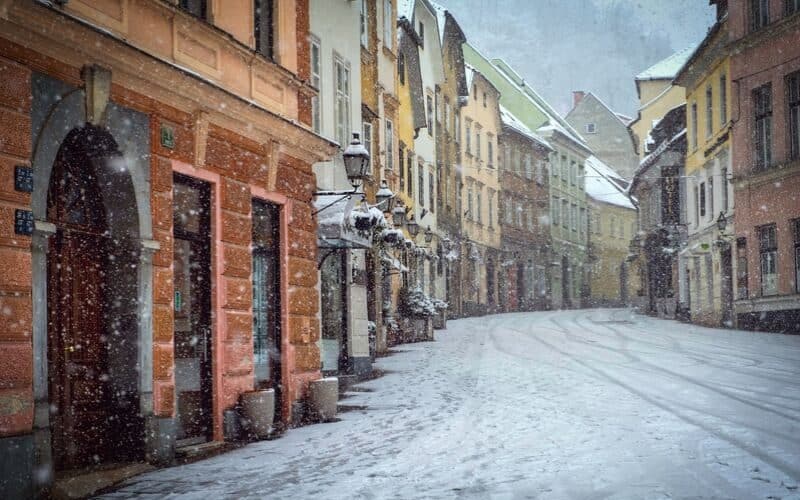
column 356, row 161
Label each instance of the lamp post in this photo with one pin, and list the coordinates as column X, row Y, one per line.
column 428, row 235
column 385, row 197
column 412, row 227
column 356, row 161
column 398, row 215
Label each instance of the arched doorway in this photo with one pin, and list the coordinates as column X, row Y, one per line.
column 92, row 319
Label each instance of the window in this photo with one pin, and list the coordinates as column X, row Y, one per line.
column 565, row 214
column 364, row 24
column 696, row 206
column 402, row 168
column 540, row 172
column 389, row 144
column 768, row 246
column 693, row 144
column 194, row 7
column 709, row 111
column 401, row 68
column 484, row 99
column 573, row 172
column 266, row 291
column 479, row 205
column 421, row 33
column 475, row 91
column 702, row 201
column 791, row 7
column 796, row 228
column 421, row 184
column 724, row 175
column 613, row 226
column 438, row 107
column 554, row 208
column 528, row 166
column 723, row 100
column 490, row 221
column 741, row 268
column 429, row 102
column 574, row 217
column 316, row 81
column 446, row 115
column 489, row 151
column 762, row 104
column 477, row 143
column 711, row 198
column 388, row 17
column 431, row 197
column 470, row 214
column 366, row 136
column 518, row 210
column 409, row 173
column 468, row 136
column 564, row 167
column 341, row 75
column 583, row 221
column 793, row 84
column 591, row 128
column 759, row 14
column 264, row 31
column 457, row 127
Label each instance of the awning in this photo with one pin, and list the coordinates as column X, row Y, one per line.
column 334, row 228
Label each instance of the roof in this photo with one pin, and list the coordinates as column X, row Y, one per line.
column 666, row 69
column 624, row 120
column 602, row 184
column 513, row 122
column 441, row 17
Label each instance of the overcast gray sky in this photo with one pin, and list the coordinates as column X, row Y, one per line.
column 595, row 45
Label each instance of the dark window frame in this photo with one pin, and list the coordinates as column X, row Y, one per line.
column 759, row 14
column 264, row 45
column 793, row 113
column 768, row 253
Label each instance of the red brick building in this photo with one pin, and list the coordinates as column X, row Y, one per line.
column 765, row 67
column 157, row 244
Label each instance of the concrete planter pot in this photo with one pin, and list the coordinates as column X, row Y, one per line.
column 258, row 412
column 323, row 396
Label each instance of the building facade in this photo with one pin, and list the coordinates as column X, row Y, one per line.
column 765, row 142
column 612, row 225
column 605, row 132
column 524, row 217
column 177, row 142
column 708, row 258
column 480, row 194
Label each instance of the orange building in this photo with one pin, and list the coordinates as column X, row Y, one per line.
column 158, row 249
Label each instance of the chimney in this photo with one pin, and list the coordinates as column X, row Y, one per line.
column 577, row 96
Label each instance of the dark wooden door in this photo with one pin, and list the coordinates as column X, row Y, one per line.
column 78, row 355
column 192, row 309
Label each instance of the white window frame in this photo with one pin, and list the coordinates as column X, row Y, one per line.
column 388, row 130
column 341, row 92
column 364, row 24
column 388, row 16
column 316, row 81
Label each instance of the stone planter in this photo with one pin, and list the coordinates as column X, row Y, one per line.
column 258, row 412
column 323, row 396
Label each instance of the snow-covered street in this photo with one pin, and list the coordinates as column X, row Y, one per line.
column 569, row 404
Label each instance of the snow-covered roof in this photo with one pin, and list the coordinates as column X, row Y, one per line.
column 512, row 121
column 666, row 69
column 602, row 184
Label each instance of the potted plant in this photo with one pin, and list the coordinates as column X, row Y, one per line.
column 258, row 412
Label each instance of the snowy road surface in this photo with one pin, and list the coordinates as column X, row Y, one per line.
column 574, row 404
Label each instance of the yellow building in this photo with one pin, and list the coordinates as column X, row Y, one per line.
column 657, row 95
column 480, row 192
column 612, row 225
column 707, row 261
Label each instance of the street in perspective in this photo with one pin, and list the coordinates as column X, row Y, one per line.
column 400, row 249
column 572, row 404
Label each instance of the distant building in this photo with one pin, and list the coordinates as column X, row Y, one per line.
column 657, row 95
column 524, row 212
column 657, row 187
column 612, row 225
column 605, row 132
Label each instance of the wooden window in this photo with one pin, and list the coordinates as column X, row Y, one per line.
column 364, row 23
column 741, row 268
column 401, row 68
column 693, row 143
column 791, row 6
column 709, row 111
column 759, row 14
column 421, row 33
column 264, row 29
column 796, row 229
column 341, row 76
column 409, row 173
column 316, row 82
column 402, row 169
column 197, row 8
column 724, row 175
column 420, row 185
column 711, row 198
column 702, row 200
column 388, row 143
column 431, row 191
column 793, row 102
column 768, row 247
column 429, row 110
column 723, row 100
column 366, row 137
column 762, row 107
column 388, row 22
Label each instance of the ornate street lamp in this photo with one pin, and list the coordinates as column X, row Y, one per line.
column 385, row 197
column 722, row 222
column 412, row 227
column 428, row 235
column 356, row 161
column 398, row 215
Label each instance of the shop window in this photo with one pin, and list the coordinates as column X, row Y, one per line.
column 768, row 247
column 266, row 294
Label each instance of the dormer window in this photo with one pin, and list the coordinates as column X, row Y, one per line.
column 591, row 128
column 421, row 33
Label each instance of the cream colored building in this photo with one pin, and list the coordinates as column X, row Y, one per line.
column 480, row 193
column 657, row 95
